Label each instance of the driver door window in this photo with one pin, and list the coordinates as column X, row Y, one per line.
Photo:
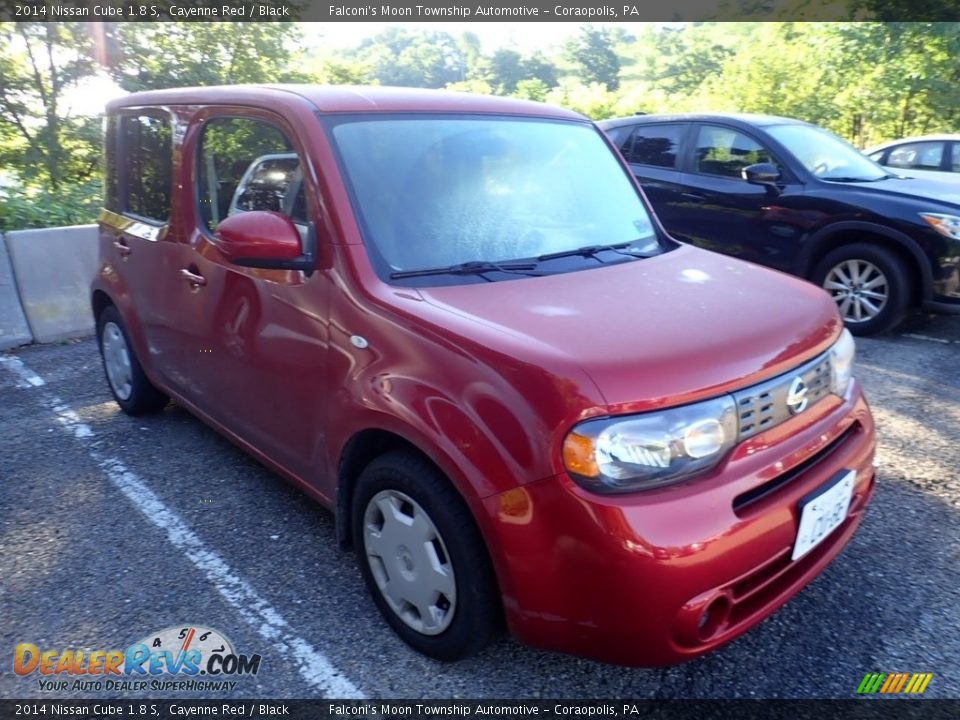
column 247, row 165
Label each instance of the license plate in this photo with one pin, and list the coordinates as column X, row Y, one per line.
column 823, row 511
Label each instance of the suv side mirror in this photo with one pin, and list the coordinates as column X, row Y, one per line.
column 761, row 174
column 266, row 239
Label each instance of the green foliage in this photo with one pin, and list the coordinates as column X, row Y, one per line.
column 532, row 89
column 23, row 207
column 39, row 63
column 594, row 100
column 593, row 55
column 185, row 54
column 408, row 58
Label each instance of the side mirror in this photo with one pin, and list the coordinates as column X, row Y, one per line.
column 761, row 174
column 266, row 239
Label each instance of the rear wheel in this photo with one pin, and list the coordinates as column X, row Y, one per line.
column 134, row 393
column 422, row 557
column 869, row 284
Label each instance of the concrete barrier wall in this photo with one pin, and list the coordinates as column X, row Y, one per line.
column 53, row 268
column 13, row 324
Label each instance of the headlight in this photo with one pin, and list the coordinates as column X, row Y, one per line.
column 948, row 225
column 841, row 363
column 638, row 452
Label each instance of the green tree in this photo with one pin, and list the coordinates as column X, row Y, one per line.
column 506, row 70
column 413, row 58
column 532, row 89
column 537, row 67
column 162, row 55
column 39, row 64
column 592, row 54
column 681, row 59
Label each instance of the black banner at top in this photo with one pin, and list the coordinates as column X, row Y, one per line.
column 578, row 11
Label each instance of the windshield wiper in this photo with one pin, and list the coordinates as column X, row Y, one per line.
column 474, row 267
column 855, row 179
column 593, row 250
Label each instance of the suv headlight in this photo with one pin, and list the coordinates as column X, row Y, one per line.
column 948, row 225
column 841, row 363
column 639, row 452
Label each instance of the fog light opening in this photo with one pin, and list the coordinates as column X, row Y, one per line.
column 714, row 617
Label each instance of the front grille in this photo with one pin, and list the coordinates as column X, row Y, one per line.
column 743, row 501
column 764, row 406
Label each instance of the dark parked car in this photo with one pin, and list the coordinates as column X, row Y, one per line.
column 793, row 196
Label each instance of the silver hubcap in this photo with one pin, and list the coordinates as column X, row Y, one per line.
column 409, row 562
column 116, row 359
column 859, row 288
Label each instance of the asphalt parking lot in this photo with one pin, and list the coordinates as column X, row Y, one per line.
column 112, row 528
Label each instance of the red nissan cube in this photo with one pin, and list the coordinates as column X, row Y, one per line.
column 455, row 321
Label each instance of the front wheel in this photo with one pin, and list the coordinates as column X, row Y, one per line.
column 422, row 557
column 869, row 284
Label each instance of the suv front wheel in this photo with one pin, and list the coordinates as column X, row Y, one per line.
column 868, row 283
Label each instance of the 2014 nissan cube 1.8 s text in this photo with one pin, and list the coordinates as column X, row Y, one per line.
column 454, row 321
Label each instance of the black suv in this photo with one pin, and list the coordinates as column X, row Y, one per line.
column 793, row 196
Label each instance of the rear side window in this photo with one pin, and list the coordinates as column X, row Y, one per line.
column 655, row 145
column 724, row 151
column 244, row 165
column 111, row 185
column 148, row 155
column 955, row 162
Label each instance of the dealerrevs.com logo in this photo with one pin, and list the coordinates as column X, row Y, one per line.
column 178, row 658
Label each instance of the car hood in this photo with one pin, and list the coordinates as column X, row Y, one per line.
column 913, row 188
column 659, row 331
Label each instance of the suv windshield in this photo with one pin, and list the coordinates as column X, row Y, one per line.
column 825, row 155
column 439, row 192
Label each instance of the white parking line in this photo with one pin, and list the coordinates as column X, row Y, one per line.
column 315, row 668
column 917, row 336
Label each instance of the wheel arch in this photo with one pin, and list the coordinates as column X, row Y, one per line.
column 99, row 301
column 360, row 450
column 841, row 234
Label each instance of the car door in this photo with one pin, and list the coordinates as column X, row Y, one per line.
column 137, row 223
column 721, row 211
column 258, row 336
column 652, row 150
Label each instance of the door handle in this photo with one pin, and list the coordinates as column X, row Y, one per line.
column 193, row 278
column 122, row 248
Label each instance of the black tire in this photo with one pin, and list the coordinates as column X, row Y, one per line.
column 896, row 285
column 143, row 397
column 476, row 613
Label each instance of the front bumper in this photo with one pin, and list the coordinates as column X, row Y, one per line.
column 659, row 577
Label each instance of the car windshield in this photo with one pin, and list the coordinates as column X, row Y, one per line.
column 825, row 155
column 437, row 192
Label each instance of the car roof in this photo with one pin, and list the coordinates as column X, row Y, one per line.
column 343, row 99
column 745, row 119
column 942, row 137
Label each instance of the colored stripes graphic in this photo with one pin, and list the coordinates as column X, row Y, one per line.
column 894, row 683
